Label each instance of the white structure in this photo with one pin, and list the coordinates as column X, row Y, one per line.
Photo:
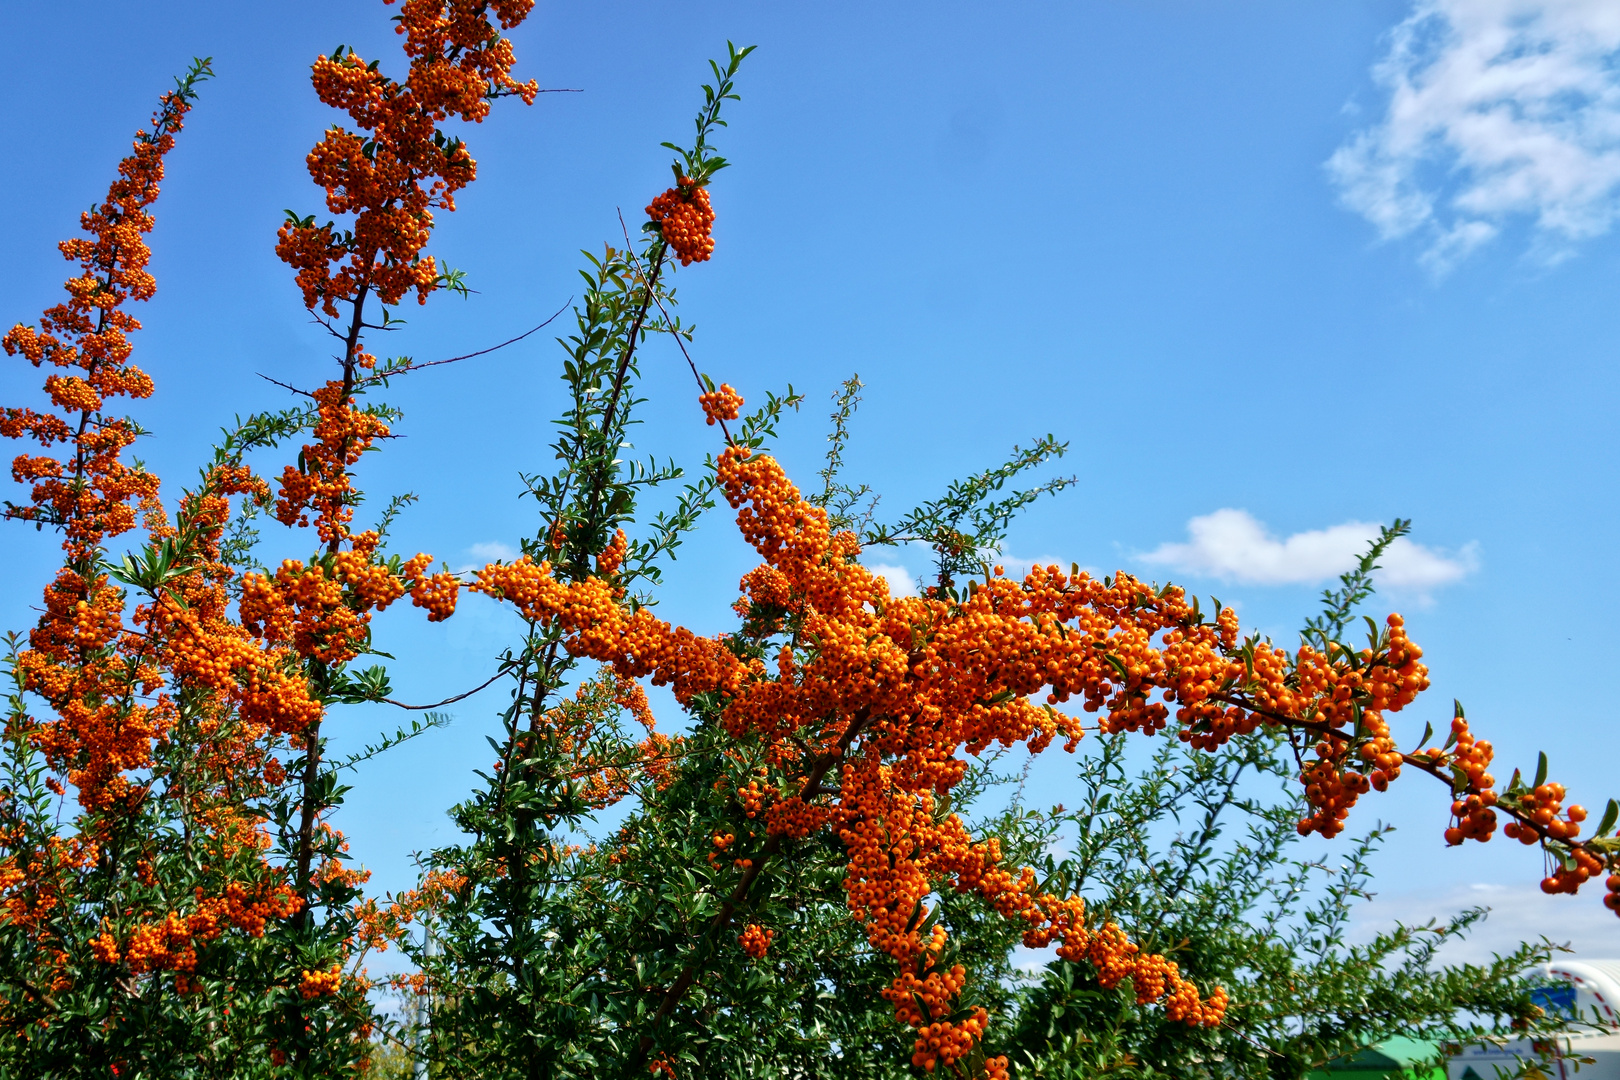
column 1590, row 992
column 1597, row 987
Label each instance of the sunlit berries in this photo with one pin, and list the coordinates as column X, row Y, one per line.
column 685, row 220
column 316, row 984
column 722, row 404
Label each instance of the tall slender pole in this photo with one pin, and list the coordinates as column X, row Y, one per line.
column 419, row 1067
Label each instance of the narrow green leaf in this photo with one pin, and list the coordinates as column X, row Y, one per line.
column 1610, row 815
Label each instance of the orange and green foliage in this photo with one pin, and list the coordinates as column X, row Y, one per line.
column 161, row 742
column 168, row 721
column 178, row 900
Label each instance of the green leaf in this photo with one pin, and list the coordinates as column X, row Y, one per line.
column 1610, row 814
column 1459, row 779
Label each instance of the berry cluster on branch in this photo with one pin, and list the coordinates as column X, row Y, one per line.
column 686, row 221
column 889, row 693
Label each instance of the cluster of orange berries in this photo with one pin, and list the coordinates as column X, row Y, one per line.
column 82, row 661
column 916, row 1000
column 316, row 984
column 114, row 691
column 89, row 493
column 1569, row 878
column 93, row 672
column 575, row 724
column 381, row 924
column 167, row 944
column 636, row 643
column 458, row 64
column 927, row 677
column 894, row 690
column 1116, row 958
column 415, row 983
column 75, row 664
column 685, row 220
column 170, row 943
column 305, row 609
column 104, row 948
column 946, row 1042
column 203, row 649
column 1331, row 792
column 753, row 797
column 436, row 594
column 612, row 556
column 1475, row 818
column 1472, row 756
column 1611, row 899
column 755, row 940
column 403, row 167
column 1541, row 805
column 722, row 841
column 78, row 658
column 325, row 616
column 722, row 404
column 320, row 482
column 796, row 818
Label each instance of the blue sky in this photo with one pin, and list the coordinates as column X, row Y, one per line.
column 1276, row 271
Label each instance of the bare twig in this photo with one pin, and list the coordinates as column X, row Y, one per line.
column 409, row 366
column 285, row 386
column 448, row 700
column 630, row 250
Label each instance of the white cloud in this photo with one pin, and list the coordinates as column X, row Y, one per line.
column 493, row 550
column 1518, row 913
column 486, row 553
column 899, row 578
column 1233, row 546
column 1497, row 109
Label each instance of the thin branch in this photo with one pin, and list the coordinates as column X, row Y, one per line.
column 630, row 250
column 448, row 700
column 286, row 386
column 409, row 366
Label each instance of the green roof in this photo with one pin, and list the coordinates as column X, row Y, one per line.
column 1398, row 1056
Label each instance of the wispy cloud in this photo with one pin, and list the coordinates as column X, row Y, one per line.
column 1518, row 913
column 1233, row 546
column 493, row 550
column 485, row 553
column 1496, row 109
column 901, row 583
